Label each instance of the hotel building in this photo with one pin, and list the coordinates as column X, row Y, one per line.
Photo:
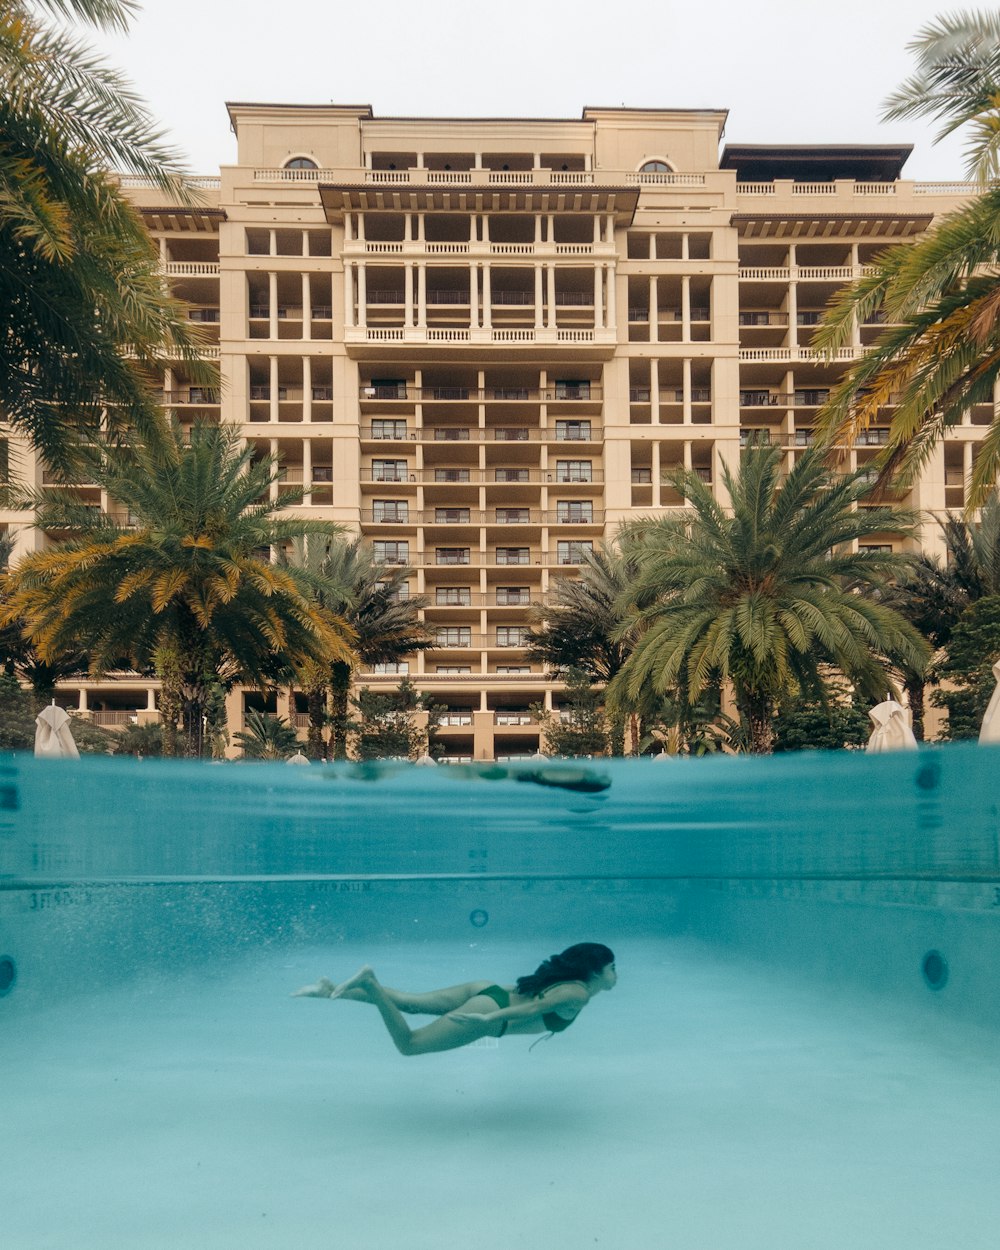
column 482, row 342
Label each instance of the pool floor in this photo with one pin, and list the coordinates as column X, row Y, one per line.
column 705, row 1104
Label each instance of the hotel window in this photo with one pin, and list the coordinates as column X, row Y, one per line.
column 513, row 670
column 572, row 510
column 513, row 516
column 453, row 636
column 386, row 428
column 399, row 595
column 880, row 547
column 391, row 552
column 572, row 389
column 512, row 636
column 513, row 555
column 384, row 388
column 390, row 667
column 301, row 162
column 643, row 477
column 572, row 431
column 655, row 167
column 453, row 555
column 451, row 475
column 453, row 596
column 455, row 670
column 511, row 475
column 513, row 596
column 451, row 516
column 572, row 553
column 574, row 470
column 389, row 471
column 390, row 510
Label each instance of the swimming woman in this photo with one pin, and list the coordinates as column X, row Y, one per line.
column 547, row 1001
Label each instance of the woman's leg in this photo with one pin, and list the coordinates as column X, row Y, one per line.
column 434, row 1003
column 444, row 1034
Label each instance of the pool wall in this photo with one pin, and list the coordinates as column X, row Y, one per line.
column 841, row 866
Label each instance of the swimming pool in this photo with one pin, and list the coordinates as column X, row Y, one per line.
column 801, row 1050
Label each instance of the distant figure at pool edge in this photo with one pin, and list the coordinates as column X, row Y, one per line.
column 547, row 1001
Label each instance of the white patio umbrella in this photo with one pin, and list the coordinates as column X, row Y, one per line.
column 297, row 758
column 892, row 730
column 425, row 761
column 990, row 731
column 53, row 739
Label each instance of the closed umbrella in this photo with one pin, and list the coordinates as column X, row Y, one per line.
column 990, row 731
column 892, row 730
column 53, row 739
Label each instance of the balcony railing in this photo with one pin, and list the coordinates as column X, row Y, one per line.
column 559, row 392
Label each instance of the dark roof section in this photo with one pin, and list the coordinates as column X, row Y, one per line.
column 763, row 162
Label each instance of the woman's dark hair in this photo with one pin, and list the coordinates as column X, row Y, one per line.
column 576, row 963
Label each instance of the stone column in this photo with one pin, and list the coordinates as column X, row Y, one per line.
column 408, row 318
column 487, row 299
column 307, row 393
column 272, row 295
column 654, row 310
column 307, row 468
column 686, row 373
column 474, row 296
column 657, row 472
column 421, row 294
column 612, row 298
column 362, row 294
column 348, row 295
column 273, row 413
column 306, row 307
column 598, row 297
column 686, row 309
column 539, row 295
column 550, row 319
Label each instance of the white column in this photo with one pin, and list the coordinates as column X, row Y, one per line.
column 273, row 414
column 306, row 307
column 408, row 294
column 654, row 312
column 362, row 294
column 686, row 373
column 407, row 227
column 654, row 390
column 473, row 230
column 550, row 319
column 487, row 299
column 151, row 700
column 686, row 308
column 538, row 229
column 361, row 227
column 539, row 294
column 348, row 227
column 421, row 291
column 598, row 297
column 307, row 391
column 272, row 245
column 597, row 229
column 486, row 228
column 652, row 246
column 552, row 229
column 420, row 228
column 612, row 298
column 685, row 249
column 82, row 702
column 656, row 474
column 307, row 467
column 793, row 316
column 474, row 296
column 348, row 295
column 272, row 294
column 274, row 487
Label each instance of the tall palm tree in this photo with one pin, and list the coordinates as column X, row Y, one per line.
column 186, row 585
column 385, row 625
column 767, row 595
column 940, row 352
column 87, row 320
column 578, row 625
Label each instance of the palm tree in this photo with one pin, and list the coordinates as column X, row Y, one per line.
column 384, row 620
column 87, row 321
column 577, row 627
column 940, row 352
column 767, row 596
column 186, row 586
column 266, row 737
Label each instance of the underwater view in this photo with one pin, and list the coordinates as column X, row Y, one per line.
column 800, row 1049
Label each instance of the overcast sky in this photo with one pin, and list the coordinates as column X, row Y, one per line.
column 788, row 71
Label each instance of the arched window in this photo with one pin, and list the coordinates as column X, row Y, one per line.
column 656, row 167
column 301, row 162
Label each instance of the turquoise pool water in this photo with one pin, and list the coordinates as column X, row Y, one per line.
column 780, row 1064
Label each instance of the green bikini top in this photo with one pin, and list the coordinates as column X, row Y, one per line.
column 556, row 1023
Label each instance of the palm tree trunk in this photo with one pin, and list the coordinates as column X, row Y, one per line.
column 756, row 707
column 315, row 702
column 914, row 686
column 341, row 686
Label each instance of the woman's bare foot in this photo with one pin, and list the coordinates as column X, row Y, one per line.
column 324, row 988
column 359, row 983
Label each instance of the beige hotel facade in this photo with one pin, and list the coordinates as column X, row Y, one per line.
column 482, row 342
